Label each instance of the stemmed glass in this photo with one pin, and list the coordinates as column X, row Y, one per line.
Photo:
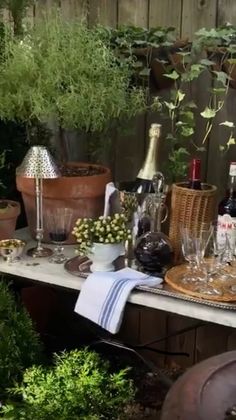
column 211, row 263
column 194, row 242
column 58, row 223
column 191, row 248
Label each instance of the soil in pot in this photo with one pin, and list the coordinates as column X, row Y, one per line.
column 80, row 188
column 9, row 212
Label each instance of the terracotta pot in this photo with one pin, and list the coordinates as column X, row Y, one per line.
column 8, row 218
column 204, row 392
column 84, row 195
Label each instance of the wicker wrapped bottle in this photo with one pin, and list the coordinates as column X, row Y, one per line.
column 189, row 207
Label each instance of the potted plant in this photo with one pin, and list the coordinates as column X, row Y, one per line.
column 80, row 385
column 9, row 211
column 102, row 239
column 65, row 73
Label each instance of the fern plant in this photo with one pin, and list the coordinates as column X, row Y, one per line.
column 78, row 387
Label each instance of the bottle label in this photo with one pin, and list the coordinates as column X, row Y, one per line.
column 232, row 169
column 226, row 225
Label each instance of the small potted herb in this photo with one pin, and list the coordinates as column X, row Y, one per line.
column 9, row 211
column 102, row 239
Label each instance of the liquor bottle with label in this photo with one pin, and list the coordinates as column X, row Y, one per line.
column 143, row 183
column 227, row 210
column 195, row 175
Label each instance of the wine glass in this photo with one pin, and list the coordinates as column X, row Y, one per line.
column 58, row 224
column 194, row 242
column 191, row 250
column 211, row 261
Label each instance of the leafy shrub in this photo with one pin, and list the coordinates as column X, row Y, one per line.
column 78, row 387
column 19, row 343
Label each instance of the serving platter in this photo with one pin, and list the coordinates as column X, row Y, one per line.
column 80, row 267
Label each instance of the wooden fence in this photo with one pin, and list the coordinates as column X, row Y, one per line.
column 187, row 16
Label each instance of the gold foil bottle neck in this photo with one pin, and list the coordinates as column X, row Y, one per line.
column 155, row 130
column 150, row 166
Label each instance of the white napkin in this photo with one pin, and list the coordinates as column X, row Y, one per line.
column 112, row 200
column 104, row 294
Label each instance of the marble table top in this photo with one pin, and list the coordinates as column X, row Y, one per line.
column 41, row 270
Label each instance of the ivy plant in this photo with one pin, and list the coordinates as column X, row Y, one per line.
column 182, row 112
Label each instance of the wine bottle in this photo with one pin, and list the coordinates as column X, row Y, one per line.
column 195, row 175
column 143, row 183
column 227, row 210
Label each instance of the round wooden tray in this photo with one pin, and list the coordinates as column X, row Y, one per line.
column 174, row 277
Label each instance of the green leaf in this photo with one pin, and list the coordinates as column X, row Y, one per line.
column 228, row 124
column 201, row 149
column 174, row 75
column 145, row 72
column 231, row 141
column 170, row 105
column 187, row 131
column 222, row 148
column 206, row 62
column 232, row 60
column 208, row 113
column 222, row 77
column 180, row 95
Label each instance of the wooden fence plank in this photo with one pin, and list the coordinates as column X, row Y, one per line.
column 210, row 341
column 226, row 12
column 74, row 9
column 165, row 13
column 133, row 12
column 197, row 14
column 103, row 12
column 184, row 343
column 42, row 7
column 153, row 325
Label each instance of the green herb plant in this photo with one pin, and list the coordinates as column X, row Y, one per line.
column 19, row 343
column 104, row 230
column 63, row 72
column 80, row 386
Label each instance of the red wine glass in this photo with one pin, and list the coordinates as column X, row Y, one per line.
column 58, row 224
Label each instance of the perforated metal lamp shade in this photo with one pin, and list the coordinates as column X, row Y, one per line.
column 38, row 163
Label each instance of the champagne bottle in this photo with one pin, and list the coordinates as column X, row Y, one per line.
column 143, row 183
column 227, row 211
column 195, row 175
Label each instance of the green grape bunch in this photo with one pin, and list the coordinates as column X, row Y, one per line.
column 104, row 230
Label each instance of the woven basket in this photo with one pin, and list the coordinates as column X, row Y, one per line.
column 190, row 208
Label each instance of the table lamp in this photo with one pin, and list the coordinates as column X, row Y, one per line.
column 39, row 164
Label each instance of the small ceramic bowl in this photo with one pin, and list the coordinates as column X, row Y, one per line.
column 11, row 249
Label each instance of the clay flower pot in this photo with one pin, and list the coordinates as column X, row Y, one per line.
column 83, row 194
column 9, row 212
